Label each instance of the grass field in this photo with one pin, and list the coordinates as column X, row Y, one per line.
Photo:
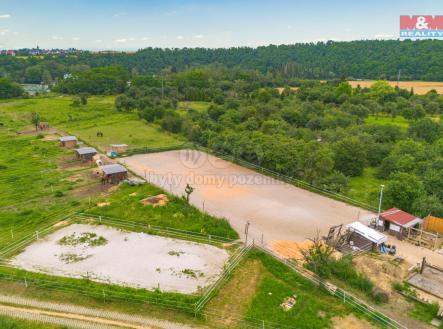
column 261, row 284
column 10, row 323
column 365, row 188
column 387, row 120
column 420, row 87
column 85, row 121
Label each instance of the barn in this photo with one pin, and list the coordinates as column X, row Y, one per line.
column 68, row 141
column 397, row 222
column 86, row 153
column 113, row 173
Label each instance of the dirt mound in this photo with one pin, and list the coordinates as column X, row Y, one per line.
column 156, row 200
column 290, row 249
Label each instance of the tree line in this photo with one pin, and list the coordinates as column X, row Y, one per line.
column 365, row 59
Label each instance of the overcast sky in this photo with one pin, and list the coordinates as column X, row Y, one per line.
column 133, row 24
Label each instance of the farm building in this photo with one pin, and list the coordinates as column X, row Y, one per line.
column 364, row 237
column 113, row 173
column 68, row 141
column 119, row 148
column 397, row 222
column 86, row 153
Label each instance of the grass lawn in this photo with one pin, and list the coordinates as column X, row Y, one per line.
column 12, row 323
column 177, row 213
column 365, row 188
column 197, row 106
column 258, row 287
column 85, row 121
column 387, row 120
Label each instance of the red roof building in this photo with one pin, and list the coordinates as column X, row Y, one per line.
column 397, row 221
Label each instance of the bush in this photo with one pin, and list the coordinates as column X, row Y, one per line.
column 380, row 296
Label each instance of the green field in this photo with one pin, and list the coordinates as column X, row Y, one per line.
column 365, row 188
column 387, row 120
column 10, row 323
column 85, row 121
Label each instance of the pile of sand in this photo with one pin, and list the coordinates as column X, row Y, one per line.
column 156, row 200
column 290, row 249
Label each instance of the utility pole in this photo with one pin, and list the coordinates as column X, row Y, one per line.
column 246, row 232
column 398, row 78
column 379, row 203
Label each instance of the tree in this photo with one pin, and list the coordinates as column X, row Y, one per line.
column 35, row 119
column 350, row 156
column 317, row 161
column 318, row 257
column 188, row 191
column 402, row 190
column 426, row 129
column 9, row 89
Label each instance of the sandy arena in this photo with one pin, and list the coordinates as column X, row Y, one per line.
column 131, row 259
column 279, row 210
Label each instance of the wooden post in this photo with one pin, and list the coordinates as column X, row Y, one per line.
column 423, row 264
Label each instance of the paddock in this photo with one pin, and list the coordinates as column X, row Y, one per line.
column 139, row 260
column 278, row 210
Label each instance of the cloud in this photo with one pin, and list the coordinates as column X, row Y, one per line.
column 384, row 36
column 120, row 14
column 75, row 38
column 180, row 37
column 131, row 39
column 5, row 15
column 198, row 36
column 123, row 40
column 4, row 32
column 98, row 41
column 145, row 38
column 56, row 37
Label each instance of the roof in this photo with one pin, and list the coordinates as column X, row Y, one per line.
column 113, row 169
column 400, row 217
column 86, row 150
column 67, row 138
column 367, row 232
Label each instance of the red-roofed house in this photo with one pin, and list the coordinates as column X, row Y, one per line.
column 397, row 222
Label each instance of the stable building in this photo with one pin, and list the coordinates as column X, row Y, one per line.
column 113, row 173
column 397, row 222
column 119, row 148
column 68, row 141
column 365, row 238
column 86, row 153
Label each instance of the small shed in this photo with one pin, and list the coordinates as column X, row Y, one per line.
column 68, row 141
column 113, row 173
column 86, row 153
column 364, row 237
column 397, row 222
column 119, row 148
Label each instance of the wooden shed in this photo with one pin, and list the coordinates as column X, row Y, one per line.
column 113, row 173
column 86, row 153
column 397, row 222
column 119, row 148
column 68, row 141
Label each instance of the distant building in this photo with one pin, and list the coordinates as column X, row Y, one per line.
column 68, row 141
column 113, row 173
column 397, row 222
column 119, row 148
column 86, row 153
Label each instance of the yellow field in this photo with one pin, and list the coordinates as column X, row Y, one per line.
column 420, row 87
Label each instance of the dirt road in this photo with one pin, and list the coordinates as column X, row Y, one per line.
column 278, row 210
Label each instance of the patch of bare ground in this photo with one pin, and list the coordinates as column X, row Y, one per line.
column 237, row 294
column 382, row 269
column 351, row 322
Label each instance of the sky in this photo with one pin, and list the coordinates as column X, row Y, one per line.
column 135, row 24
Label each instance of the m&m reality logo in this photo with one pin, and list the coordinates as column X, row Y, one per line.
column 421, row 26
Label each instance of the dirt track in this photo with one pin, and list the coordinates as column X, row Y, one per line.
column 279, row 210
